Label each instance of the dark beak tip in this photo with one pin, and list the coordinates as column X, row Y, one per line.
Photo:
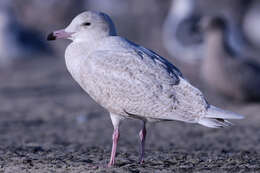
column 51, row 37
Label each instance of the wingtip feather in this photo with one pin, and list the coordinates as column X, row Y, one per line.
column 215, row 112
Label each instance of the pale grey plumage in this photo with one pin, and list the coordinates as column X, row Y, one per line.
column 126, row 82
column 131, row 81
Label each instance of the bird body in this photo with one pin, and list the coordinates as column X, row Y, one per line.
column 121, row 79
column 17, row 41
column 226, row 71
column 131, row 81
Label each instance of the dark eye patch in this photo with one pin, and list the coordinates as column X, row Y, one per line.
column 86, row 24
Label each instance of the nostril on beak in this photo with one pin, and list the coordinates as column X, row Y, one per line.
column 51, row 37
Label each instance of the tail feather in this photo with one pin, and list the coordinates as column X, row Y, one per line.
column 216, row 117
column 214, row 112
column 214, row 123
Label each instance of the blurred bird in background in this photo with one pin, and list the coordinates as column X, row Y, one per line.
column 225, row 70
column 226, row 53
column 184, row 40
column 182, row 37
column 17, row 41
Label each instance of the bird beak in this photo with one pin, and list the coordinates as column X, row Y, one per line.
column 59, row 34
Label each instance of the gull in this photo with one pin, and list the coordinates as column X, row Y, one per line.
column 223, row 69
column 181, row 35
column 183, row 38
column 131, row 81
column 17, row 41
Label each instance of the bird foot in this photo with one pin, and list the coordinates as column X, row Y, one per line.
column 110, row 165
column 141, row 161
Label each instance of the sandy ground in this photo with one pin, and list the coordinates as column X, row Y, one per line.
column 48, row 124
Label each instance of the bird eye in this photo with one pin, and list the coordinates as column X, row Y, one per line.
column 86, row 24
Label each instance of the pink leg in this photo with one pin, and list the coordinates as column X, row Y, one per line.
column 142, row 135
column 113, row 152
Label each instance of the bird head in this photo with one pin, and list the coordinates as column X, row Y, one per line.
column 88, row 25
column 209, row 23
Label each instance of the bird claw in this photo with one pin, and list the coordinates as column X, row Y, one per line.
column 110, row 165
column 141, row 162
